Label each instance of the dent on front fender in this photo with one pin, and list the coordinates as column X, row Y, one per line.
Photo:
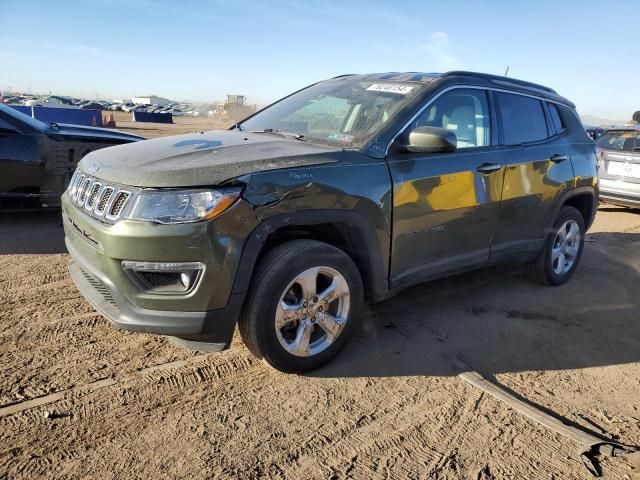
column 355, row 192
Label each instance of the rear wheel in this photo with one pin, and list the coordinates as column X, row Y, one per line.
column 562, row 250
column 305, row 298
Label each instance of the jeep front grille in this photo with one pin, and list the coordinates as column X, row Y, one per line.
column 105, row 202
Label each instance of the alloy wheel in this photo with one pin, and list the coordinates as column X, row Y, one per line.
column 312, row 311
column 566, row 246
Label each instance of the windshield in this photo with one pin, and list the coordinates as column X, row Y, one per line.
column 17, row 118
column 623, row 140
column 345, row 111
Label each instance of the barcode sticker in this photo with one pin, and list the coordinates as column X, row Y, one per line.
column 390, row 88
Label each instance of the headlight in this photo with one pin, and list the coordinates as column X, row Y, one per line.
column 182, row 206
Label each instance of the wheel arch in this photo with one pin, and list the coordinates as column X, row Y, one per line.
column 348, row 230
column 583, row 199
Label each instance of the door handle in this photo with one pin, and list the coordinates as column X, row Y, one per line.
column 557, row 158
column 488, row 167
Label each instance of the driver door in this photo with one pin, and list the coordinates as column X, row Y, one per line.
column 446, row 205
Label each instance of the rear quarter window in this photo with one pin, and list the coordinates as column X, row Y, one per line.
column 556, row 120
column 522, row 119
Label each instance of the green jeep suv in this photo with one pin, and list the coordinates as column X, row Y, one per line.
column 351, row 189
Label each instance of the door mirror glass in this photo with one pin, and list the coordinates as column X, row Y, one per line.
column 431, row 140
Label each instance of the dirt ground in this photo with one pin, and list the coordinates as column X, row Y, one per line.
column 180, row 125
column 80, row 399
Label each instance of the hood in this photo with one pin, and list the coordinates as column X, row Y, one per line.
column 69, row 130
column 201, row 159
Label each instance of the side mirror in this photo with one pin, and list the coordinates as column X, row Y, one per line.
column 431, row 140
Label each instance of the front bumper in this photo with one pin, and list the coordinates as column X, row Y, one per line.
column 214, row 326
column 208, row 313
column 620, row 192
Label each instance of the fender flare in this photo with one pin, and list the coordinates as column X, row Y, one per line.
column 359, row 226
column 575, row 192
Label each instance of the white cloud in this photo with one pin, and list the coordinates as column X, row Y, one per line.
column 439, row 54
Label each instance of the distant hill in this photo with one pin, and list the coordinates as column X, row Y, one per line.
column 601, row 121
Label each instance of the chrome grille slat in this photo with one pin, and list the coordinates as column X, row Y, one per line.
column 105, row 196
column 82, row 194
column 120, row 200
column 91, row 195
column 98, row 199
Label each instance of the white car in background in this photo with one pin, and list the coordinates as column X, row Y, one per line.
column 127, row 107
column 618, row 151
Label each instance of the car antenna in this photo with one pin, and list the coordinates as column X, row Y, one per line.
column 506, row 72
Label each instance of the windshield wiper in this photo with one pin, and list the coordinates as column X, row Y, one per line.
column 273, row 131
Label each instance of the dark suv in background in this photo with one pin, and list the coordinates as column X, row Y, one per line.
column 353, row 188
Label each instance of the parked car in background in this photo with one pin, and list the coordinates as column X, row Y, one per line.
column 618, row 151
column 38, row 158
column 355, row 187
column 91, row 106
column 176, row 112
column 50, row 101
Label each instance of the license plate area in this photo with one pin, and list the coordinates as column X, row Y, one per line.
column 624, row 169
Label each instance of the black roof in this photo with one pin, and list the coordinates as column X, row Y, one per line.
column 483, row 78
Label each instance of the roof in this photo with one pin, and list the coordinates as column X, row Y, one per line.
column 483, row 78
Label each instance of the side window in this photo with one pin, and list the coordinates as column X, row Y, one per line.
column 522, row 118
column 556, row 120
column 464, row 112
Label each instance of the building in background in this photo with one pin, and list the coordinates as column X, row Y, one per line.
column 150, row 100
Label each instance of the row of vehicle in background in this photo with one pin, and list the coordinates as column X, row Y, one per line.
column 234, row 107
column 176, row 109
column 172, row 108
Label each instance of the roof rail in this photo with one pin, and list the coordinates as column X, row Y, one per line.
column 344, row 75
column 500, row 79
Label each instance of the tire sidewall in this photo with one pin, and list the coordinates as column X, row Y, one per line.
column 264, row 311
column 567, row 213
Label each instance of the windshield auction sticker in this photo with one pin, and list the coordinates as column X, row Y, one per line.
column 390, row 88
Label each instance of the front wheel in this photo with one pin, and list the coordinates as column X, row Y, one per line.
column 562, row 249
column 305, row 298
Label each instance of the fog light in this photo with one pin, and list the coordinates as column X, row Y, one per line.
column 163, row 277
column 186, row 279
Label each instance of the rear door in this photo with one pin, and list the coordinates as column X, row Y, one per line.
column 537, row 172
column 445, row 205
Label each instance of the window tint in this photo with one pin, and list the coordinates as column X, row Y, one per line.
column 522, row 117
column 555, row 117
column 463, row 112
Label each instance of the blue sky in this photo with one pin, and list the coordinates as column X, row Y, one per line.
column 201, row 50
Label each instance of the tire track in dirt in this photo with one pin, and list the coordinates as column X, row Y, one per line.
column 175, row 374
column 164, row 381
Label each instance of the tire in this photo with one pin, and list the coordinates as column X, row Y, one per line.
column 547, row 267
column 284, row 277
